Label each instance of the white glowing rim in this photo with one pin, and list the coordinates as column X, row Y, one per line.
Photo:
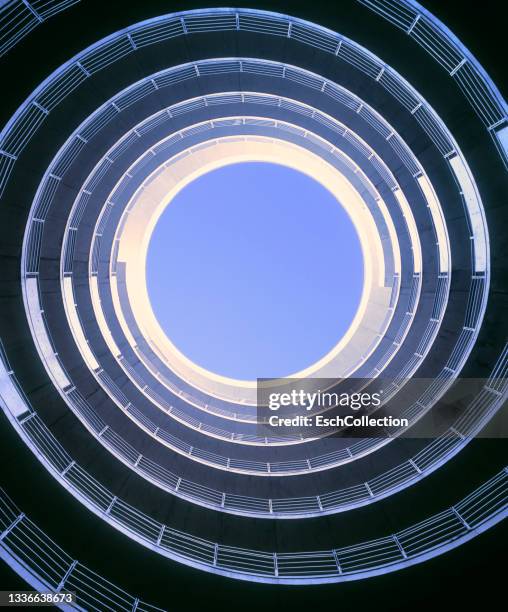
column 158, row 190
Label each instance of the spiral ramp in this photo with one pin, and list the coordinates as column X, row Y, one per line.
column 107, row 428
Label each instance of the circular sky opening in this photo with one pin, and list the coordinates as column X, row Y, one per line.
column 254, row 270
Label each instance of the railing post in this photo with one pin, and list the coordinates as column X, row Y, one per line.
column 32, row 10
column 399, row 546
column 337, row 562
column 411, row 462
column 275, row 565
column 161, row 534
column 66, row 576
column 12, row 526
column 112, row 503
column 461, row 519
column 369, row 490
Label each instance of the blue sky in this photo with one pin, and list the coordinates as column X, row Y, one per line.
column 254, row 270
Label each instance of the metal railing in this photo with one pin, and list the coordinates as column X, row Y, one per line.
column 182, row 107
column 449, row 52
column 319, row 462
column 116, row 46
column 100, row 56
column 431, row 457
column 19, row 17
column 26, row 121
column 46, row 566
column 475, row 513
column 132, row 177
